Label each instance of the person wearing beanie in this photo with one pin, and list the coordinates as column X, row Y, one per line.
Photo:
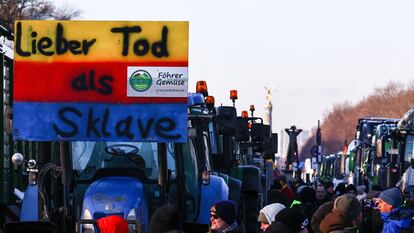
column 307, row 195
column 339, row 190
column 389, row 204
column 267, row 215
column 306, row 202
column 346, row 215
column 329, row 187
column 223, row 217
column 166, row 219
column 361, row 194
column 289, row 220
column 351, row 189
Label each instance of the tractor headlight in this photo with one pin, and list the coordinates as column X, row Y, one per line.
column 87, row 228
column 132, row 215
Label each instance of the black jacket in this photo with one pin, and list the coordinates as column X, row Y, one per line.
column 279, row 227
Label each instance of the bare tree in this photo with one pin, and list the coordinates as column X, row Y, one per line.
column 391, row 101
column 11, row 10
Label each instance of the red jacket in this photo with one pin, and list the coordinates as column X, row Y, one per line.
column 112, row 224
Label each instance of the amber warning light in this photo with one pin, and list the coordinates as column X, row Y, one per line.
column 245, row 114
column 233, row 95
column 210, row 102
column 201, row 88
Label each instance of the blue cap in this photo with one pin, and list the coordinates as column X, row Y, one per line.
column 392, row 196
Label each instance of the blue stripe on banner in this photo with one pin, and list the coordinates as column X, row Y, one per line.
column 100, row 122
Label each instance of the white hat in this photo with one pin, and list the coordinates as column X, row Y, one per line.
column 269, row 212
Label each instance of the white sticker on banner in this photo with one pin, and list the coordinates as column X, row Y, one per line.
column 157, row 81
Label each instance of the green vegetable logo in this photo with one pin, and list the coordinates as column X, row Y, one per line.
column 140, row 80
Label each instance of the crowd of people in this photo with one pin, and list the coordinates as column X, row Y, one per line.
column 344, row 208
column 316, row 208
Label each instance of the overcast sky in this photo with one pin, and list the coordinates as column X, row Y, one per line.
column 315, row 53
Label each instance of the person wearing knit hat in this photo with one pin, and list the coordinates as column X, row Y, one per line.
column 289, row 220
column 389, row 204
column 267, row 215
column 223, row 217
column 339, row 190
column 361, row 194
column 345, row 216
column 351, row 189
column 389, row 199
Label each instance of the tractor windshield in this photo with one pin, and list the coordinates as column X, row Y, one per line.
column 91, row 157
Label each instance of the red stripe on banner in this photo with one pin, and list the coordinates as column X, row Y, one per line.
column 52, row 82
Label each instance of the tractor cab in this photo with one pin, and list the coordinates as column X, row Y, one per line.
column 114, row 178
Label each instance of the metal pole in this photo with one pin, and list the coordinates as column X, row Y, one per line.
column 44, row 158
column 2, row 183
column 162, row 168
column 65, row 162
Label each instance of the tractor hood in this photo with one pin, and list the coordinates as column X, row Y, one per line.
column 116, row 196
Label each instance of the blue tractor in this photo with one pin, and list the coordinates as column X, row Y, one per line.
column 91, row 180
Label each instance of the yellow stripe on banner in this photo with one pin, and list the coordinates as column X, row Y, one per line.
column 78, row 41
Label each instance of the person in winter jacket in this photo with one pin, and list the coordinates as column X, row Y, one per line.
column 339, row 190
column 351, row 189
column 112, row 224
column 389, row 204
column 289, row 220
column 321, row 195
column 166, row 219
column 345, row 216
column 276, row 196
column 286, row 190
column 320, row 214
column 223, row 217
column 329, row 189
column 267, row 215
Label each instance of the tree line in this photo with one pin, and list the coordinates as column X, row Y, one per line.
column 339, row 123
column 11, row 10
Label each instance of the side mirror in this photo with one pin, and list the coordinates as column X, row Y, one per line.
column 214, row 139
column 226, row 120
column 257, row 132
column 242, row 133
column 266, row 138
column 258, row 136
